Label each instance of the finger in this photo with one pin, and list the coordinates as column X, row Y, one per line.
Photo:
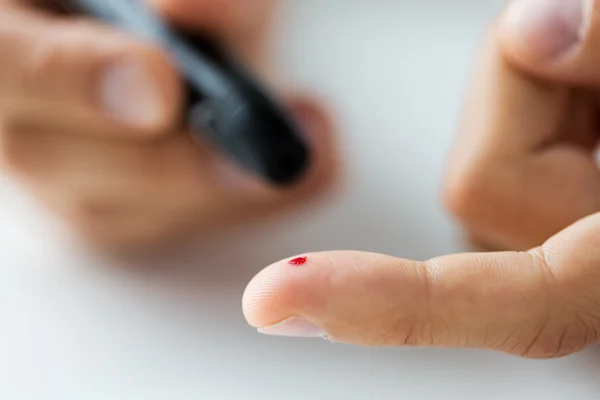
column 67, row 73
column 521, row 138
column 240, row 25
column 141, row 193
column 541, row 303
column 219, row 15
column 121, row 195
column 555, row 39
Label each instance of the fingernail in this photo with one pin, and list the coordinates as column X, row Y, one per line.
column 294, row 327
column 129, row 94
column 549, row 27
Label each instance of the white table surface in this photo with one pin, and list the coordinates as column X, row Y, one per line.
column 72, row 327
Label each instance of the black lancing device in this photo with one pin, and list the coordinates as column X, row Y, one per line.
column 225, row 103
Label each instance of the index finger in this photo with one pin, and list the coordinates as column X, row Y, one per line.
column 541, row 303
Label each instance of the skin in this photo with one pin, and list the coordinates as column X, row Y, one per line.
column 521, row 178
column 522, row 170
column 123, row 186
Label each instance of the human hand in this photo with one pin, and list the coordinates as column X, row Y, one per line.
column 523, row 169
column 88, row 124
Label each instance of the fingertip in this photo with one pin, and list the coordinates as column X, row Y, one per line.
column 543, row 29
column 284, row 289
column 260, row 295
column 349, row 296
column 513, row 49
column 552, row 39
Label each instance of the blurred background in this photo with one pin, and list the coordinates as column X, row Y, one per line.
column 72, row 326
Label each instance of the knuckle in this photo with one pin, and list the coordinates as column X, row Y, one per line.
column 485, row 198
column 464, row 192
column 559, row 341
column 540, row 260
column 13, row 152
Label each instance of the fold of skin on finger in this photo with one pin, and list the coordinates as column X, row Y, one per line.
column 522, row 167
column 538, row 304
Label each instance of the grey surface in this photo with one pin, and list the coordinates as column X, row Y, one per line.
column 72, row 327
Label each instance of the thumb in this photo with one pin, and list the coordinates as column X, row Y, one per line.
column 542, row 303
column 59, row 72
column 555, row 39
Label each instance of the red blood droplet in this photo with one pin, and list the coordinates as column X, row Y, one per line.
column 298, row 261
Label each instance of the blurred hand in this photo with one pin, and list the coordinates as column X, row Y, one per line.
column 88, row 117
column 522, row 170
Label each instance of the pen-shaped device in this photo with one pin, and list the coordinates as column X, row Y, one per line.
column 224, row 102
